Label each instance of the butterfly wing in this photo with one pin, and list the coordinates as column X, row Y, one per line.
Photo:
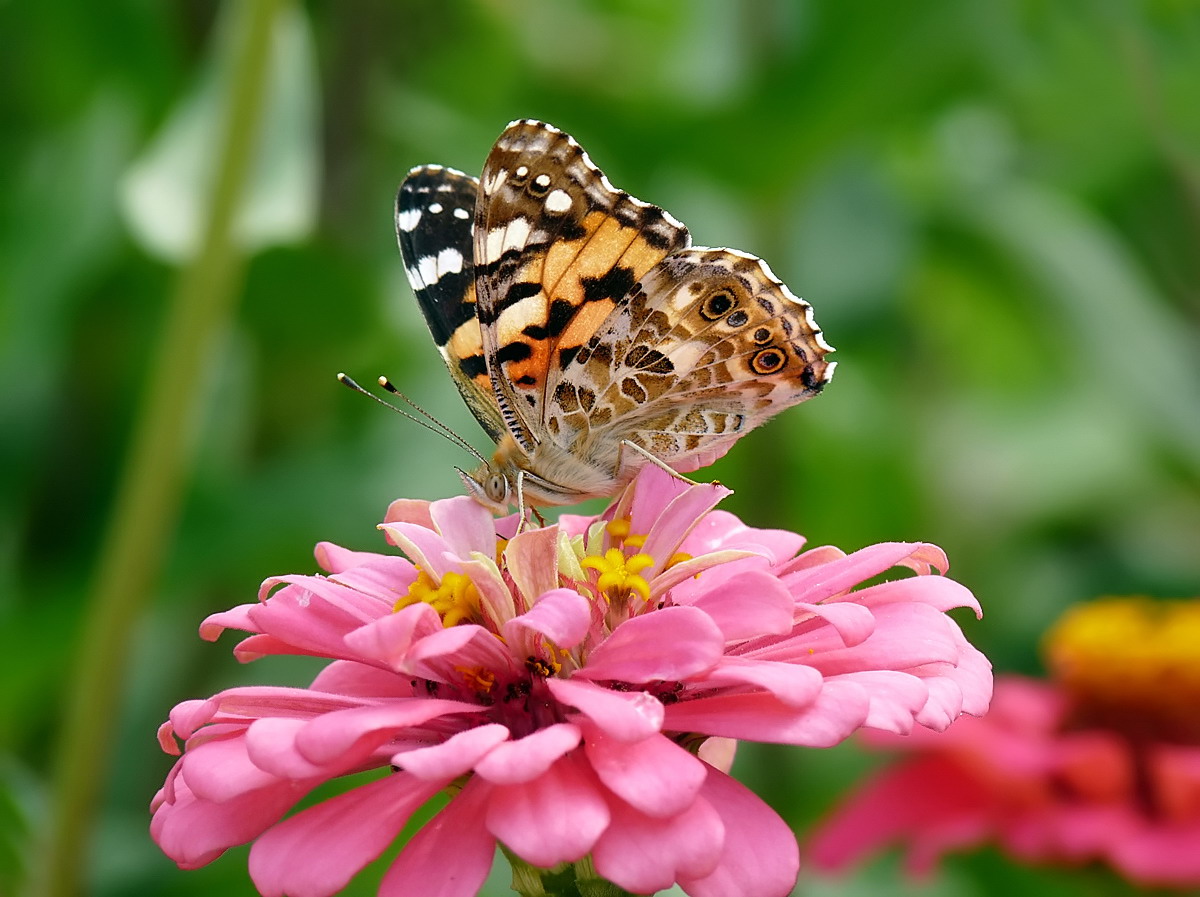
column 557, row 248
column 709, row 345
column 435, row 213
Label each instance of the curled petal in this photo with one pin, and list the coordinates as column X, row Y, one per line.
column 456, row 756
column 466, row 525
column 528, row 817
column 654, row 775
column 627, row 716
column 514, row 762
column 561, row 615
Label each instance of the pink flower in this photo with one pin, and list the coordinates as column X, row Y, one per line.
column 1102, row 764
column 573, row 687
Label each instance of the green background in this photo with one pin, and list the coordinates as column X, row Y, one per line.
column 994, row 208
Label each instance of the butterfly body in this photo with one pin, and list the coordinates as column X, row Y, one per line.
column 584, row 331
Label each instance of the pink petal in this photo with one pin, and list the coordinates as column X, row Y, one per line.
column 384, row 578
column 235, row 618
column 683, row 575
column 315, row 614
column 410, row 510
column 655, row 776
column 271, row 746
column 561, row 615
column 194, row 832
column 388, row 639
column 454, row 757
column 466, row 525
column 346, row 677
column 450, row 855
column 794, row 684
column 361, row 729
column 835, row 714
column 935, row 591
column 670, row 644
column 645, row 854
column 818, row 583
column 427, row 549
column 720, row 529
column 743, row 602
column 528, row 818
column 678, row 519
column 220, row 771
column 759, row 855
column 527, row 758
column 624, row 715
column 334, row 558
column 532, row 559
column 852, row 622
column 316, row 852
column 442, row 655
column 895, row 698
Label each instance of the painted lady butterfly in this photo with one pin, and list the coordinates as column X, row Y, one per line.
column 584, row 332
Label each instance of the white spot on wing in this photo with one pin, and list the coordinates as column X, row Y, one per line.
column 427, row 270
column 542, row 180
column 513, row 235
column 522, row 171
column 462, row 213
column 449, row 261
column 435, row 207
column 408, row 219
column 558, row 202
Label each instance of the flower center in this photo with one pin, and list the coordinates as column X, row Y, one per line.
column 619, row 575
column 454, row 598
column 1131, row 664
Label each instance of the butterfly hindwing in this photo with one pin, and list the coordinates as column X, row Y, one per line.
column 557, row 249
column 435, row 215
column 709, row 345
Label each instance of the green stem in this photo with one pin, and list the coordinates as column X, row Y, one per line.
column 565, row 880
column 148, row 498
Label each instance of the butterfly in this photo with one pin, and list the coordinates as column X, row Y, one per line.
column 584, row 331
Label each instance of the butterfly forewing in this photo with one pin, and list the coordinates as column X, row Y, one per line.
column 435, row 215
column 557, row 249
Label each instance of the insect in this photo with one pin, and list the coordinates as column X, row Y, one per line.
column 583, row 330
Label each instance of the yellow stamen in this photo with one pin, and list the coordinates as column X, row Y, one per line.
column 1132, row 664
column 477, row 679
column 454, row 598
column 619, row 528
column 619, row 574
column 678, row 558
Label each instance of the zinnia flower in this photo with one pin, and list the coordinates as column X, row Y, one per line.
column 1101, row 763
column 573, row 687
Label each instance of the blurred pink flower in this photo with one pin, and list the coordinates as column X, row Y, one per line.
column 573, row 687
column 1101, row 764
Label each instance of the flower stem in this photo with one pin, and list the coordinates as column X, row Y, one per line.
column 149, row 494
column 565, row 880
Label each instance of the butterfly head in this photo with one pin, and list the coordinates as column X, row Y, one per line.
column 490, row 486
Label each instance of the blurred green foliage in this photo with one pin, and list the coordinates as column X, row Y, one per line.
column 994, row 208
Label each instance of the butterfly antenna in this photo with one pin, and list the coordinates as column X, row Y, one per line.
column 441, row 429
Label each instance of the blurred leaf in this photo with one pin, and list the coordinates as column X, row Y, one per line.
column 165, row 193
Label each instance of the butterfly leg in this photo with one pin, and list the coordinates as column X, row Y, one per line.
column 649, row 456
